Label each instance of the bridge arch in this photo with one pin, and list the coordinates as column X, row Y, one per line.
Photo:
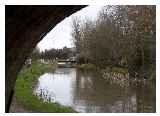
column 25, row 27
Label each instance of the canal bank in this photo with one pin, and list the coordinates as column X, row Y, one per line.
column 24, row 89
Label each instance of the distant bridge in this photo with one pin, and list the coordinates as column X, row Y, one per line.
column 71, row 61
column 66, row 63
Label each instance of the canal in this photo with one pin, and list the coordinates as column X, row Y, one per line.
column 87, row 91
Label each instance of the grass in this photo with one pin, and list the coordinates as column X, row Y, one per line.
column 24, row 90
column 93, row 67
column 119, row 70
column 86, row 66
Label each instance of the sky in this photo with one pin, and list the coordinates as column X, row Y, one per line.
column 60, row 36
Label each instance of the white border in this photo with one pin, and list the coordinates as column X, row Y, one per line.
column 78, row 2
column 157, row 58
column 74, row 2
column 2, row 57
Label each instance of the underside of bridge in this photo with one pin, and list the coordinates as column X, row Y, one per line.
column 25, row 27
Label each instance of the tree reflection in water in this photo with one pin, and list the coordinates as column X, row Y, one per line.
column 86, row 91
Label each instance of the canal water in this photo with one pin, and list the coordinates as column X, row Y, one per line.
column 86, row 91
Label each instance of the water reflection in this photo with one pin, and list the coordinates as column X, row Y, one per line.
column 85, row 91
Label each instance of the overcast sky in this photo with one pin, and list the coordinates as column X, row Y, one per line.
column 60, row 36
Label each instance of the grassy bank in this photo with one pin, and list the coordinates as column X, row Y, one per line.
column 86, row 66
column 24, row 89
column 119, row 70
column 93, row 67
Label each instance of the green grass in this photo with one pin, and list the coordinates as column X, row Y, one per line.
column 24, row 89
column 86, row 66
column 119, row 70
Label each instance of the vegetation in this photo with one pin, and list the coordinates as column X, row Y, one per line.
column 53, row 54
column 119, row 70
column 121, row 36
column 86, row 66
column 24, row 90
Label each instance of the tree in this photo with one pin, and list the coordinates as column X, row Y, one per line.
column 121, row 36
